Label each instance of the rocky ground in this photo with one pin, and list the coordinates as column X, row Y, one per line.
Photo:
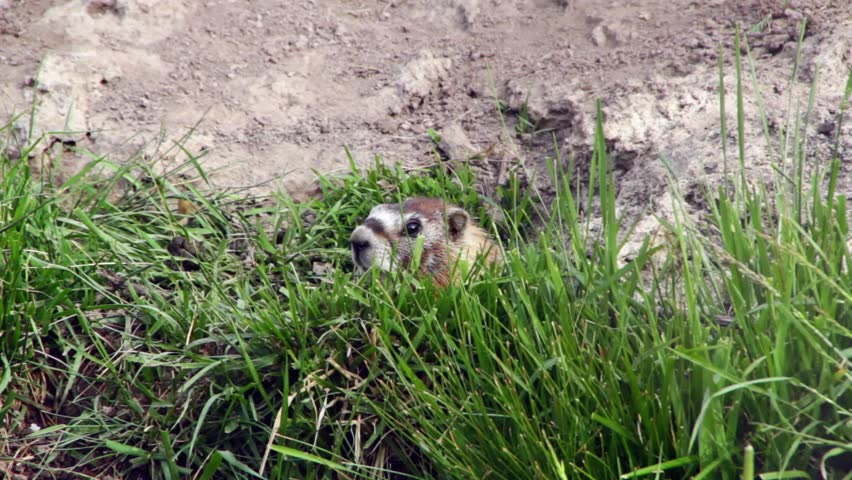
column 272, row 91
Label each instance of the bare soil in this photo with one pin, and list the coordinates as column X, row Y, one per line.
column 273, row 91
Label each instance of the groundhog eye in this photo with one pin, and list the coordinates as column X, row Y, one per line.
column 412, row 228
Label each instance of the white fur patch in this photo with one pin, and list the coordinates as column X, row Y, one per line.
column 389, row 218
column 382, row 257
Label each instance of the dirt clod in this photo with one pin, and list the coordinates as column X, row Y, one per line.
column 455, row 144
column 421, row 76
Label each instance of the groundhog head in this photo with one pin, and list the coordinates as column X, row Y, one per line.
column 389, row 235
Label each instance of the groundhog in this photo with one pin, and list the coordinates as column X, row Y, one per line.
column 388, row 236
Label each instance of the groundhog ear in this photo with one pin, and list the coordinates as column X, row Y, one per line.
column 456, row 222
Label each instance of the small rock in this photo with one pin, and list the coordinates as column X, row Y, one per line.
column 455, row 144
column 324, row 125
column 618, row 32
column 322, row 268
column 599, row 36
column 793, row 14
column 405, row 126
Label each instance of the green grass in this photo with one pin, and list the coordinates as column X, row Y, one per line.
column 561, row 364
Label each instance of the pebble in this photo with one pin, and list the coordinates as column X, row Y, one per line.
column 455, row 143
column 599, row 36
column 324, row 125
column 793, row 14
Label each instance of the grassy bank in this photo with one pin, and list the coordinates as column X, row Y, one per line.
column 725, row 355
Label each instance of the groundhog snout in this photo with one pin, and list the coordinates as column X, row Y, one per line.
column 361, row 247
column 358, row 247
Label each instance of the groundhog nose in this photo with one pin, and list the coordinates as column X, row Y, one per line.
column 359, row 242
column 358, row 246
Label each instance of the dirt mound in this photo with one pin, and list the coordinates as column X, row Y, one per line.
column 274, row 90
